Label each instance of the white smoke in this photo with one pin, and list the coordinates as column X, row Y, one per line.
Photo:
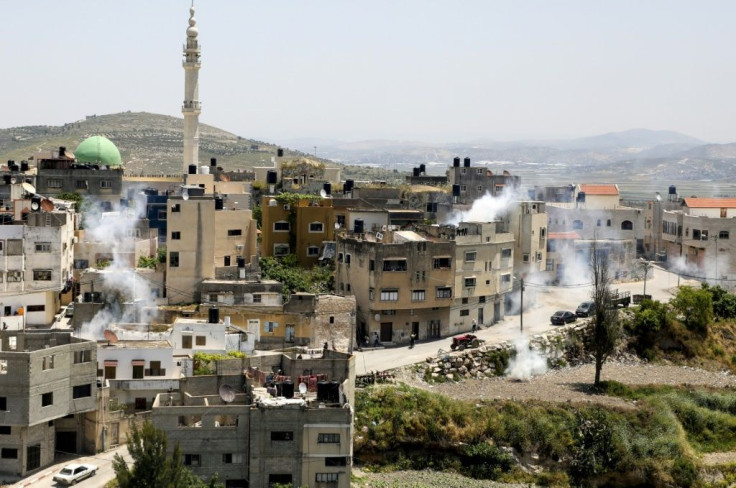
column 487, row 208
column 528, row 362
column 129, row 295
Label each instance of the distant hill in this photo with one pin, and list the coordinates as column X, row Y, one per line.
column 628, row 139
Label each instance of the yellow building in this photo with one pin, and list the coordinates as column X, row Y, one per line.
column 298, row 227
column 203, row 236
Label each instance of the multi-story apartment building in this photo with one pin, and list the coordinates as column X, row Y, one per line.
column 697, row 238
column 528, row 222
column 47, row 383
column 204, row 234
column 36, row 258
column 471, row 183
column 296, row 227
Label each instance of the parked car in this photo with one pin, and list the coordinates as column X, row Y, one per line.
column 586, row 309
column 73, row 473
column 562, row 317
column 69, row 310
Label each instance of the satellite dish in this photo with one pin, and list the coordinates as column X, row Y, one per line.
column 36, row 204
column 227, row 393
column 110, row 336
column 28, row 188
column 323, row 193
column 303, row 388
column 377, row 317
column 185, row 194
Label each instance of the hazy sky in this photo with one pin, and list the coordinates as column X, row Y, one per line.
column 352, row 70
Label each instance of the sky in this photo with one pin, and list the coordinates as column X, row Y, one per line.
column 422, row 70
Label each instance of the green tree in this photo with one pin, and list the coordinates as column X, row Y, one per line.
column 724, row 303
column 161, row 254
column 147, row 262
column 607, row 329
column 650, row 320
column 152, row 466
column 695, row 307
column 258, row 215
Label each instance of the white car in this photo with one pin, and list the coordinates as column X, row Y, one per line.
column 73, row 473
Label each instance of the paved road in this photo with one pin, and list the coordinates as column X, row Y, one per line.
column 105, row 473
column 540, row 303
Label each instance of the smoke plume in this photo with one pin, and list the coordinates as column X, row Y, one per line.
column 527, row 362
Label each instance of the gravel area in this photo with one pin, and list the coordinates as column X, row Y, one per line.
column 421, row 479
column 574, row 384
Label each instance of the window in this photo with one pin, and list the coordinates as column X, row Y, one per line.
column 105, row 183
column 470, row 256
column 347, row 259
column 5, row 430
column 138, row 372
column 174, row 259
column 41, row 275
column 47, row 399
column 389, row 295
column 281, row 226
column 627, row 225
column 326, row 477
column 371, row 265
column 482, row 299
column 234, row 232
column 81, row 264
column 328, row 438
column 47, row 362
column 336, row 461
column 270, row 326
column 506, row 278
column 371, row 293
column 723, row 234
column 418, row 296
column 598, row 223
column 9, row 453
column 156, row 369
column 82, row 391
column 256, row 298
column 175, row 236
column 464, row 301
column 420, row 275
column 316, row 227
column 525, row 257
column 200, row 340
column 35, row 308
column 212, row 297
column 312, row 251
column 577, row 224
column 464, row 313
column 3, row 403
column 281, row 479
column 176, row 207
column 441, row 263
column 162, row 214
column 280, row 249
column 186, row 341
column 480, row 188
column 506, row 253
column 80, row 184
column 463, row 188
column 550, row 265
column 469, row 282
column 394, row 265
column 192, row 460
column 479, row 171
column 43, row 247
column 608, row 223
column 282, row 435
column 54, row 184
column 230, row 458
column 140, row 403
column 444, row 292
column 226, row 261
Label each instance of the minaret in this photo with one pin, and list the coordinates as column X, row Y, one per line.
column 192, row 107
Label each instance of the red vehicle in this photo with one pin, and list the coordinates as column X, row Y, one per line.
column 465, row 340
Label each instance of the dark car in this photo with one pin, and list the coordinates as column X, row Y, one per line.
column 563, row 317
column 586, row 309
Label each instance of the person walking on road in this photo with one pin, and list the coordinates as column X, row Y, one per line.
column 411, row 341
column 376, row 342
column 475, row 326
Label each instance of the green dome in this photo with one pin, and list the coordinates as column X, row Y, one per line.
column 98, row 150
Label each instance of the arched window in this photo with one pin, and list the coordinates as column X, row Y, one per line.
column 627, row 225
column 577, row 224
column 723, row 234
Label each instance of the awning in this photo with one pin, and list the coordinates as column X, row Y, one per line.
column 139, row 362
column 111, row 362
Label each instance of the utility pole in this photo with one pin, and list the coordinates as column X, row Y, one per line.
column 521, row 310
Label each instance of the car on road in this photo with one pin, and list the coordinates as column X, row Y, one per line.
column 69, row 310
column 585, row 309
column 562, row 317
column 73, row 473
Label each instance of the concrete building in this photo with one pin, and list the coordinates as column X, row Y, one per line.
column 204, row 234
column 528, row 222
column 133, row 239
column 36, row 258
column 697, row 239
column 230, row 425
column 471, row 183
column 47, row 383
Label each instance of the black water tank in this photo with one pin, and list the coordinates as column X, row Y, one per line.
column 280, row 153
column 466, row 162
column 24, row 166
column 272, row 177
column 6, row 179
column 214, row 317
column 358, row 226
column 456, row 163
column 349, row 184
column 219, row 203
column 213, row 161
column 581, row 196
column 416, row 171
column 422, row 168
column 455, row 190
column 327, row 187
column 192, row 169
column 333, row 392
column 13, row 167
column 323, row 389
column 241, row 261
column 288, row 389
column 673, row 190
column 279, row 388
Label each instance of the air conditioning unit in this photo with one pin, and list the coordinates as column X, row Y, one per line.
column 239, row 247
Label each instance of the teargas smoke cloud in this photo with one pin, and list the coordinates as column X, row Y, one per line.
column 487, row 208
column 114, row 231
column 527, row 362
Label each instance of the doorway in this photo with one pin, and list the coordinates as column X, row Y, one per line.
column 433, row 329
column 387, row 331
column 415, row 329
column 33, row 457
column 480, row 316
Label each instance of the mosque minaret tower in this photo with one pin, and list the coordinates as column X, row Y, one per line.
column 192, row 106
